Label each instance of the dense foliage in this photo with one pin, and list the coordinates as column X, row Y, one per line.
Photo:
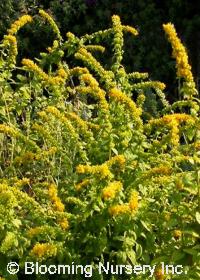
column 87, row 173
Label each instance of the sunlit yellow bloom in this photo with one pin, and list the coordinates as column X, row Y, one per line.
column 53, row 193
column 119, row 159
column 41, row 250
column 19, row 24
column 119, row 209
column 177, row 233
column 8, row 130
column 111, row 190
column 95, row 48
column 160, row 170
column 149, row 84
column 30, row 65
column 78, row 71
column 34, row 231
column 127, row 101
column 133, row 202
column 180, row 54
column 82, row 184
column 22, row 182
column 58, row 205
column 130, row 29
column 52, row 23
column 100, row 170
column 64, row 224
column 11, row 41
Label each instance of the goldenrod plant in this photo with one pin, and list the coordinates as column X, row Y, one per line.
column 85, row 177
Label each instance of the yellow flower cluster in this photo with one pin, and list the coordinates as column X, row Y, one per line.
column 41, row 250
column 119, row 160
column 138, row 75
column 149, row 84
column 53, row 193
column 62, row 73
column 8, row 130
column 80, row 122
column 119, row 209
column 89, row 80
column 19, row 24
column 88, row 58
column 118, row 42
column 133, row 202
column 34, row 231
column 130, row 29
column 22, row 182
column 95, row 48
column 12, row 42
column 97, row 93
column 30, row 156
column 174, row 134
column 64, row 224
column 180, row 54
column 76, row 71
column 177, row 234
column 57, row 80
column 82, row 184
column 101, row 170
column 172, row 121
column 52, row 23
column 111, row 190
column 30, row 65
column 54, row 111
column 127, row 101
column 160, row 170
column 130, row 207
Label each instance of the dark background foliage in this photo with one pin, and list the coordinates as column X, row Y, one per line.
column 148, row 52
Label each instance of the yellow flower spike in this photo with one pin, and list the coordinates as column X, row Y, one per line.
column 100, row 170
column 110, row 191
column 30, row 65
column 51, row 22
column 160, row 170
column 78, row 71
column 22, row 182
column 19, row 24
column 119, row 209
column 130, row 29
column 34, row 231
column 149, row 84
column 8, row 130
column 41, row 250
column 64, row 224
column 82, row 184
column 53, row 194
column 128, row 102
column 90, row 80
column 133, row 202
column 177, row 234
column 119, row 160
column 174, row 133
column 12, row 42
column 179, row 53
column 95, row 48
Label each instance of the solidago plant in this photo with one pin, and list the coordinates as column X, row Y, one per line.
column 85, row 177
